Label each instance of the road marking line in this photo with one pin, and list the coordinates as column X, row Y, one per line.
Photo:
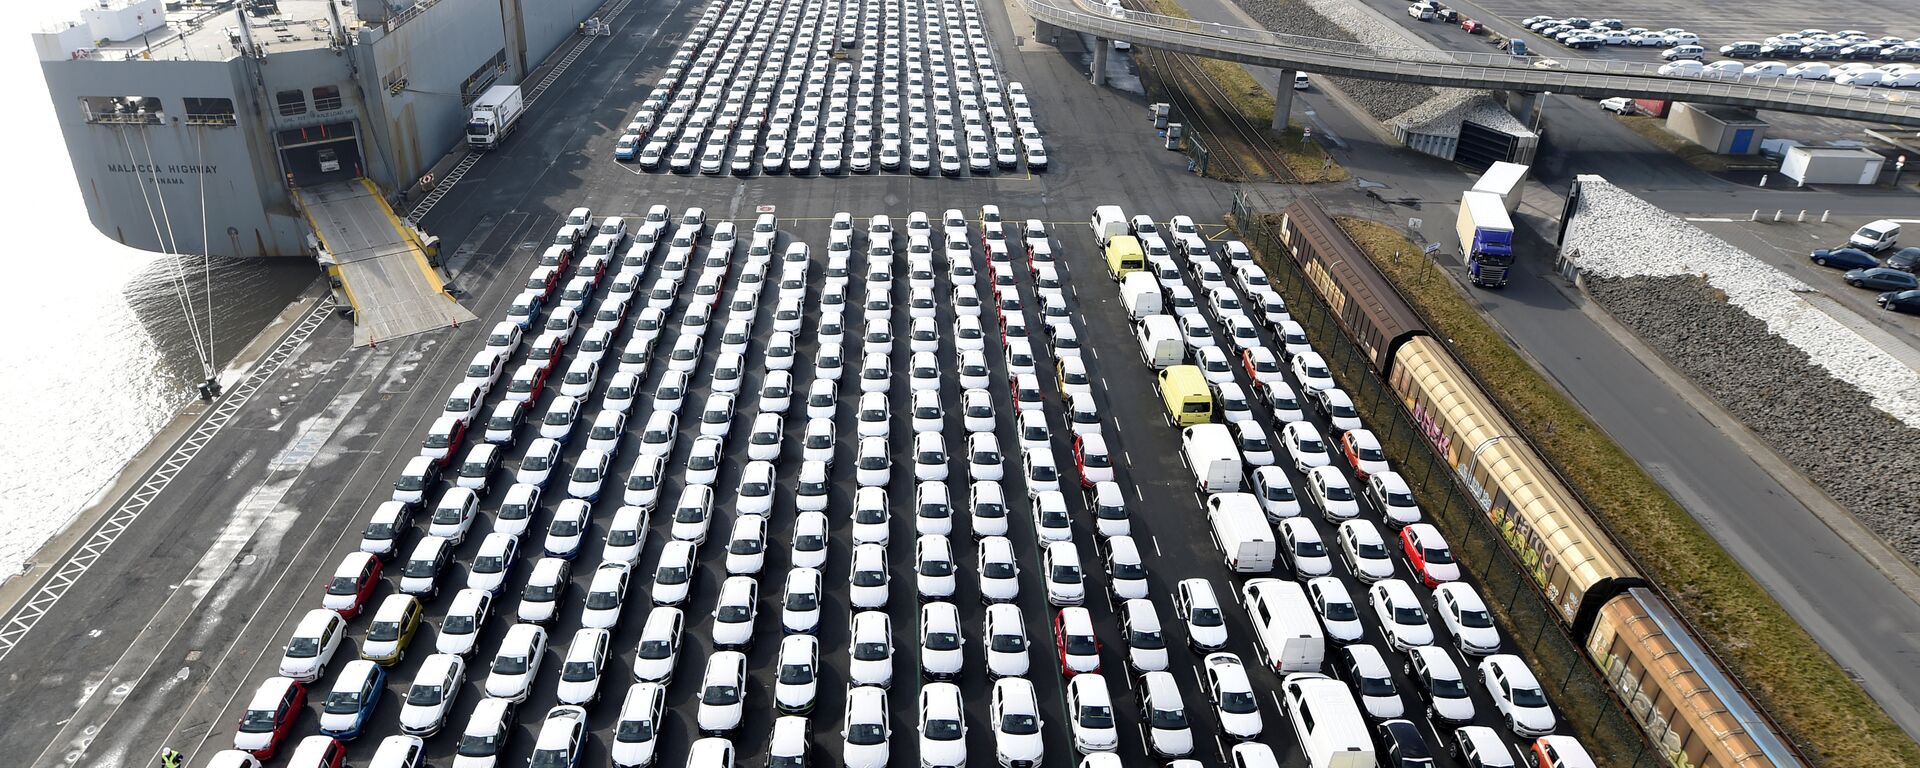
column 1156, row 544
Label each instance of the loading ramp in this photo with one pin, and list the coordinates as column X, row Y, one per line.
column 379, row 262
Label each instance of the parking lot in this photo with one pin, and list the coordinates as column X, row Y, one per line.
column 798, row 88
column 1717, row 23
column 1165, row 514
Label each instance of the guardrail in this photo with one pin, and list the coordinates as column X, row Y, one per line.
column 1473, row 69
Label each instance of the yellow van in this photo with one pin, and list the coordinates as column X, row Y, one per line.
column 1184, row 392
column 1124, row 256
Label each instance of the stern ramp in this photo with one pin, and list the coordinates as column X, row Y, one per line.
column 379, row 262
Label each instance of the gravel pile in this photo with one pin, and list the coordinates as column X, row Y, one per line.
column 1443, row 115
column 1340, row 20
column 1827, row 427
column 1615, row 234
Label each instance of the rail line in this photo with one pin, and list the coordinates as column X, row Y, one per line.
column 1167, row 64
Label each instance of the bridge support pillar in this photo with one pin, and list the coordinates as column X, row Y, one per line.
column 1098, row 72
column 1283, row 100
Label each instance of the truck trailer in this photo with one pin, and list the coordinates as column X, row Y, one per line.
column 495, row 114
column 1486, row 238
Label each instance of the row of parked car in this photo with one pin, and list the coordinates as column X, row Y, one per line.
column 1323, row 710
column 1894, row 276
column 745, row 94
column 1690, row 63
column 1582, row 32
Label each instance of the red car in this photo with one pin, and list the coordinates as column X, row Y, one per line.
column 319, row 751
column 269, row 716
column 1362, row 451
column 558, row 257
column 1090, row 457
column 544, row 280
column 1073, row 638
column 527, row 382
column 1428, row 554
column 1261, row 365
column 444, row 438
column 352, row 584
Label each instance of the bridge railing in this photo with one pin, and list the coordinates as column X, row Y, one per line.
column 1499, row 66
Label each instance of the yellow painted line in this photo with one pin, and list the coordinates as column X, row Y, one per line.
column 419, row 252
column 1223, row 233
column 347, row 288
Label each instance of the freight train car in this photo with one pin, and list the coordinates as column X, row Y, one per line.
column 1369, row 309
column 1677, row 691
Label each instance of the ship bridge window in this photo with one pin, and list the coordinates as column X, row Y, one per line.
column 326, row 98
column 121, row 109
column 291, row 103
column 209, row 111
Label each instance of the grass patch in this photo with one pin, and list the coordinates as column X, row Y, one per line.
column 1805, row 690
column 1652, row 129
column 1306, row 160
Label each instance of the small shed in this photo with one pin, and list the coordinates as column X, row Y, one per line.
column 1832, row 165
column 1725, row 130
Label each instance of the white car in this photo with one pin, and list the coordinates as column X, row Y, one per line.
column 561, row 417
column 875, row 416
column 657, row 439
column 1311, row 371
column 800, row 606
column 659, row 645
column 1215, row 368
column 1282, row 400
column 312, row 646
column 788, row 745
column 1466, row 617
column 692, row 514
column 1051, row 519
column 546, row 588
column 566, row 532
column 1014, row 712
column 1256, row 449
column 754, row 495
column 606, row 594
column 609, row 430
column 943, row 729
column 1332, row 494
column 460, row 629
column 869, row 576
column 1305, row 445
column 1366, row 672
column 723, row 693
column 517, row 662
column 1438, row 677
column 1034, row 434
column 813, row 488
column 764, row 442
column 734, row 614
column 636, row 735
column 578, row 379
column 430, row 697
column 941, row 656
column 669, row 395
column 747, row 545
column 1389, row 494
column 1398, row 610
column 929, row 456
column 626, row 535
column 934, row 568
column 1126, row 569
column 1275, row 493
column 797, row 678
column 871, row 516
column 1090, row 715
column 1365, row 551
column 1083, row 415
column 673, row 577
column 870, row 650
column 864, row 728
column 493, row 563
column 717, row 417
column 1517, row 695
column 536, row 467
column 1196, row 604
column 1066, row 583
column 1197, row 333
column 1145, row 639
column 999, row 570
column 582, row 668
column 1232, row 695
column 1305, row 551
column 809, row 543
column 1338, row 613
column 589, row 474
column 876, row 371
column 703, row 461
column 1169, row 734
column 874, row 467
column 928, row 414
column 976, row 409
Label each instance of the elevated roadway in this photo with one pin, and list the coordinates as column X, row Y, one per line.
column 1471, row 69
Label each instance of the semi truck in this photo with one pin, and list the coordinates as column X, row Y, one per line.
column 495, row 114
column 1486, row 238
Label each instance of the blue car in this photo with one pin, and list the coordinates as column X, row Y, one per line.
column 351, row 702
column 1901, row 301
column 1843, row 258
column 1882, row 279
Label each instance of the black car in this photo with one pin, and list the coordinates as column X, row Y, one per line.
column 1843, row 258
column 1882, row 279
column 1906, row 259
column 1901, row 301
column 1402, row 746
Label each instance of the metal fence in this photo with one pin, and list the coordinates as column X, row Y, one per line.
column 1576, row 685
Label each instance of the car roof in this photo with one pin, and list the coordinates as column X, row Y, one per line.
column 316, row 621
column 271, row 691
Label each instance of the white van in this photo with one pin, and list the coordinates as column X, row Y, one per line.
column 1108, row 220
column 1286, row 630
column 1240, row 531
column 1161, row 344
column 1876, row 235
column 1326, row 722
column 1141, row 295
column 1209, row 450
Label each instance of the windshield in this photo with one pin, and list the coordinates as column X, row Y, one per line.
column 866, row 734
column 689, row 514
column 670, row 575
column 1409, row 615
column 720, row 695
column 943, row 641
column 936, row 567
column 564, row 526
column 534, row 462
column 1168, row 719
column 656, row 649
column 457, row 624
column 510, row 665
column 539, row 593
column 1019, row 724
column 384, row 631
column 796, row 674
column 420, row 568
column 943, row 730
column 634, row 731
column 1529, row 697
column 734, row 614
column 1309, row 548
column 1339, row 493
column 1377, row 686
column 1238, row 702
column 602, row 601
column 1205, row 617
column 262, row 720
column 425, row 695
column 1081, row 645
column 1448, row 688
column 1311, row 445
column 345, row 585
column 1096, row 717
column 755, row 489
column 550, row 758
column 579, row 671
column 1437, row 556
column 1066, row 574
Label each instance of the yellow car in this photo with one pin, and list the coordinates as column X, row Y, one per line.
column 393, row 627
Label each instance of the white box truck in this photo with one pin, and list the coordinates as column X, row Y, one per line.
column 1209, row 450
column 1108, row 220
column 495, row 114
column 1327, row 722
column 1506, row 180
column 1286, row 631
column 1241, row 533
column 1160, row 341
column 1141, row 295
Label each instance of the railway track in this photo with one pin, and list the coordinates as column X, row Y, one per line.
column 1175, row 71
